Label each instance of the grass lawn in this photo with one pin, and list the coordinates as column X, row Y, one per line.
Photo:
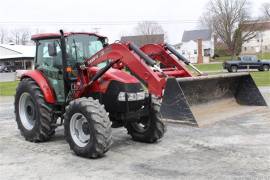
column 209, row 67
column 228, row 58
column 261, row 78
column 8, row 88
column 264, row 56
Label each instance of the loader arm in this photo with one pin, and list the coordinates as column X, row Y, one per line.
column 169, row 56
column 159, row 53
column 134, row 61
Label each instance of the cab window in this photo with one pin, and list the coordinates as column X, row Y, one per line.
column 43, row 57
column 82, row 46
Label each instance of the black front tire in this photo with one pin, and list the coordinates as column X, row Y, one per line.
column 154, row 127
column 99, row 127
column 42, row 129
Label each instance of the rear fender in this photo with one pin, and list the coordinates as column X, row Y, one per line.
column 42, row 83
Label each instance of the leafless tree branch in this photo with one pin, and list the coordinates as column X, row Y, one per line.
column 224, row 18
column 266, row 10
column 20, row 36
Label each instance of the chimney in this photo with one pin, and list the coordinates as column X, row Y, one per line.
column 200, row 56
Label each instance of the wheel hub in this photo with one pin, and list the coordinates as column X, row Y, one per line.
column 142, row 125
column 85, row 128
column 79, row 129
column 27, row 111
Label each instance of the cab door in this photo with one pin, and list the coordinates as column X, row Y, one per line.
column 51, row 66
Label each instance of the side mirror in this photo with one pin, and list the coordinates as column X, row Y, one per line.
column 105, row 41
column 106, row 44
column 52, row 49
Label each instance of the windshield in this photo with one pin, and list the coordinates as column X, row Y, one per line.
column 81, row 46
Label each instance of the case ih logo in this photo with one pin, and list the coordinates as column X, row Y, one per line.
column 98, row 55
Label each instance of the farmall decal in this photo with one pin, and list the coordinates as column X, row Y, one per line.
column 98, row 55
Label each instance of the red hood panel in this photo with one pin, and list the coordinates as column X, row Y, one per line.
column 117, row 75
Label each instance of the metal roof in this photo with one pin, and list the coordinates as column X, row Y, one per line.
column 22, row 51
column 57, row 35
column 194, row 35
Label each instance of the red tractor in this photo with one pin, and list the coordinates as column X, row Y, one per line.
column 73, row 84
column 90, row 86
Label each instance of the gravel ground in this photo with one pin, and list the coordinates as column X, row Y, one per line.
column 236, row 148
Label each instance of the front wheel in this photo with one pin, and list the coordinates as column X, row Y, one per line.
column 148, row 129
column 87, row 128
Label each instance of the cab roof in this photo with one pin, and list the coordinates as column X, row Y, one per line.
column 58, row 35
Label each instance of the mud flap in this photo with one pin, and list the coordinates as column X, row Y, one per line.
column 190, row 100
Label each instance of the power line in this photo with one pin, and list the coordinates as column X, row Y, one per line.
column 96, row 23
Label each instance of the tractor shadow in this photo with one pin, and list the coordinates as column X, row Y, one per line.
column 120, row 138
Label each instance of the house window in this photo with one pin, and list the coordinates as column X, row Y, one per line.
column 195, row 51
column 183, row 52
column 206, row 52
column 265, row 48
column 245, row 48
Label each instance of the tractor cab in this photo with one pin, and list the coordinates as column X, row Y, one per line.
column 51, row 60
column 78, row 47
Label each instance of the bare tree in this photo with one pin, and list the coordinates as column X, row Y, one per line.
column 151, row 31
column 3, row 35
column 227, row 18
column 25, row 37
column 20, row 36
column 148, row 28
column 266, row 10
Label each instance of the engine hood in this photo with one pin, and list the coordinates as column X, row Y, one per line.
column 116, row 75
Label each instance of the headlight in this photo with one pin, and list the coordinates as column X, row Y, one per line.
column 132, row 96
column 140, row 95
column 122, row 96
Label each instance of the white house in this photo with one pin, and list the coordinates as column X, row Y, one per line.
column 261, row 42
column 19, row 56
column 189, row 45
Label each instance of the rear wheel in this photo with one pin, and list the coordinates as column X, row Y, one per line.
column 33, row 114
column 148, row 129
column 265, row 67
column 87, row 128
column 234, row 69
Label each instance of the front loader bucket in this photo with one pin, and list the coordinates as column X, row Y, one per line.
column 203, row 100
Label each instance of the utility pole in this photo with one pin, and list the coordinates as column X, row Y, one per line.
column 261, row 39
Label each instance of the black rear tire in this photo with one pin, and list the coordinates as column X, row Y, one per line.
column 98, row 128
column 41, row 112
column 154, row 127
column 265, row 67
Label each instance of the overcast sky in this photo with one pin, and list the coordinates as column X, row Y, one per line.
column 111, row 18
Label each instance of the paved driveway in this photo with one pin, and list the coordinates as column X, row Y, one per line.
column 238, row 147
column 4, row 77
